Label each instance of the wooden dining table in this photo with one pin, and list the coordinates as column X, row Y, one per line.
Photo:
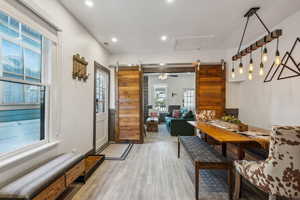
column 224, row 136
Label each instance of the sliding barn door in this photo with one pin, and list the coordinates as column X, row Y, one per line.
column 210, row 85
column 129, row 105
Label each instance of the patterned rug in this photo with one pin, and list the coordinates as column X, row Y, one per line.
column 213, row 185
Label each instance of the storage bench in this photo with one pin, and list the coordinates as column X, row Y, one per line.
column 46, row 182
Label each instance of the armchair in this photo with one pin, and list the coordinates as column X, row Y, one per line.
column 279, row 174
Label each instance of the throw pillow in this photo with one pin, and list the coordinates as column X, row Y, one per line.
column 188, row 115
column 176, row 113
column 184, row 110
column 154, row 114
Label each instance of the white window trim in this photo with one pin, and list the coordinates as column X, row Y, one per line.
column 53, row 124
column 27, row 20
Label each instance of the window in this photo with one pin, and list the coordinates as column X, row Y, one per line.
column 189, row 99
column 101, row 90
column 23, row 96
column 160, row 98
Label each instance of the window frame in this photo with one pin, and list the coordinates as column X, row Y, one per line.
column 50, row 80
column 155, row 87
column 191, row 103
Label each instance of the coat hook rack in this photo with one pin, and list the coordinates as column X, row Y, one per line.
column 80, row 68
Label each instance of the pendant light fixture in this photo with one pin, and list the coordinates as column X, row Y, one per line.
column 251, row 67
column 261, row 67
column 277, row 56
column 265, row 55
column 241, row 67
column 232, row 71
column 250, row 75
column 250, row 72
column 262, row 43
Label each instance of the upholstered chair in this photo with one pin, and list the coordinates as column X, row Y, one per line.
column 279, row 175
column 206, row 115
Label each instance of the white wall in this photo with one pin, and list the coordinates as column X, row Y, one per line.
column 76, row 131
column 275, row 103
column 211, row 56
column 174, row 85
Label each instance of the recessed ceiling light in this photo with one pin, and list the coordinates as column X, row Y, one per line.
column 162, row 64
column 129, row 65
column 170, row 1
column 89, row 3
column 114, row 39
column 164, row 38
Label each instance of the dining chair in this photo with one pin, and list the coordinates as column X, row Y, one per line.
column 279, row 174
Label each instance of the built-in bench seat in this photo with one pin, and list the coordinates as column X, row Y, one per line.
column 46, row 182
column 204, row 157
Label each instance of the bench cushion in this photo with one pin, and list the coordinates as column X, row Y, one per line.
column 29, row 185
column 200, row 150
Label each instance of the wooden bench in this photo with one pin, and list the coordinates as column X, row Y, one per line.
column 47, row 181
column 204, row 157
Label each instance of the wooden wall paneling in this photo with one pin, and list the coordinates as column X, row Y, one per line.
column 129, row 114
column 210, row 92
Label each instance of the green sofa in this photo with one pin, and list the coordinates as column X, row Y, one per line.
column 179, row 126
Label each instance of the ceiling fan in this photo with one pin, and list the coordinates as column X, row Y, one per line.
column 165, row 76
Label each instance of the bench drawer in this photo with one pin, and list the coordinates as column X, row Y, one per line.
column 75, row 172
column 52, row 191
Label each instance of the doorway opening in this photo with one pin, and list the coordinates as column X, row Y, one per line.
column 169, row 102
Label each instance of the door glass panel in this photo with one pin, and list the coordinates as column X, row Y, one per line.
column 101, row 91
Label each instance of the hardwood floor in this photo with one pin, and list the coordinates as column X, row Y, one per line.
column 152, row 171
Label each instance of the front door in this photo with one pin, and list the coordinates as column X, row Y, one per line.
column 101, row 106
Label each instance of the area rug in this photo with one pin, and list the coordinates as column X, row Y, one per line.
column 115, row 151
column 213, row 183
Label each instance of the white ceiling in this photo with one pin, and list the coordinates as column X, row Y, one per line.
column 189, row 24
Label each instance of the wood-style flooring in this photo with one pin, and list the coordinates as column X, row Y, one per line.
column 151, row 171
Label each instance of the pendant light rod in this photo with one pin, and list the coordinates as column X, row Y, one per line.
column 253, row 11
column 261, row 21
column 243, row 35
